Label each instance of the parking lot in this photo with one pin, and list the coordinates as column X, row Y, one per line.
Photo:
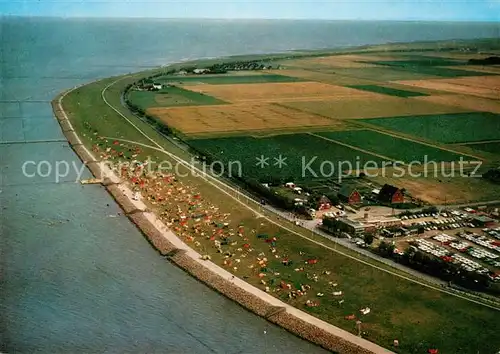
column 444, row 221
column 475, row 250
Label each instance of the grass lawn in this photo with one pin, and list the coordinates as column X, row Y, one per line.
column 387, row 145
column 388, row 91
column 171, row 97
column 298, row 149
column 445, row 128
column 228, row 79
column 421, row 318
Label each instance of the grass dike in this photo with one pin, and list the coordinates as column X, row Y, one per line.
column 169, row 245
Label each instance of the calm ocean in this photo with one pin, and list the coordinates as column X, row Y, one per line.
column 72, row 277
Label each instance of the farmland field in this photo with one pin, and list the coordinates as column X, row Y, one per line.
column 442, row 190
column 383, row 74
column 489, row 82
column 442, row 71
column 493, row 147
column 328, row 78
column 433, row 66
column 453, row 87
column 228, row 79
column 335, row 61
column 171, row 97
column 388, row 91
column 383, row 106
column 470, row 103
column 396, row 148
column 419, row 61
column 238, row 117
column 445, row 128
column 419, row 317
column 482, row 69
column 278, row 91
column 298, row 149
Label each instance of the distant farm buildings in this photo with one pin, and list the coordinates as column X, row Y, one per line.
column 352, row 227
column 349, row 194
column 391, row 195
column 201, row 71
column 324, row 203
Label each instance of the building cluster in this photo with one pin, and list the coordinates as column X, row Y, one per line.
column 149, row 85
column 386, row 195
column 361, row 226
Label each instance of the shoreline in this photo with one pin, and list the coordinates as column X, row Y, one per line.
column 176, row 251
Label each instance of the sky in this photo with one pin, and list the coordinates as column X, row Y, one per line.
column 432, row 10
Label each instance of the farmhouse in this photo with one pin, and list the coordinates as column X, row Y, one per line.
column 157, row 86
column 391, row 194
column 349, row 194
column 146, row 85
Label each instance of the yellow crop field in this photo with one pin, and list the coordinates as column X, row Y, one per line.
column 237, row 118
column 275, row 92
column 489, row 82
column 356, row 108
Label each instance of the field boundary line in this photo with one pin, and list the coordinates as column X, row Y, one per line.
column 369, row 126
column 425, row 143
column 206, row 177
column 352, row 147
column 478, row 142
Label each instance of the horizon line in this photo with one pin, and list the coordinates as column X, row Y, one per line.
column 250, row 19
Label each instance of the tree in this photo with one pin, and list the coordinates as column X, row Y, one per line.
column 368, row 238
column 386, row 249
